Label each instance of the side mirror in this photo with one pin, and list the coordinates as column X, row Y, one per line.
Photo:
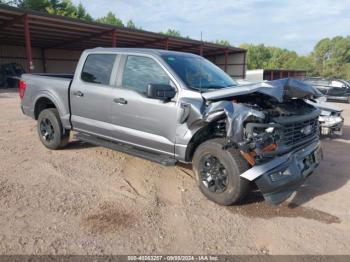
column 160, row 91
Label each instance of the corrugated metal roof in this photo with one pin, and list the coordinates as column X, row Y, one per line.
column 53, row 31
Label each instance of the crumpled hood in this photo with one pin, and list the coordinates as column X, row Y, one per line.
column 279, row 89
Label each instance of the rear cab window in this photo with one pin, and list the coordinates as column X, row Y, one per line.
column 98, row 68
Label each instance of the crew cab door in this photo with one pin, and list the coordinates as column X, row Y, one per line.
column 138, row 120
column 90, row 94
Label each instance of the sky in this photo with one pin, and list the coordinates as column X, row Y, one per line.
column 295, row 24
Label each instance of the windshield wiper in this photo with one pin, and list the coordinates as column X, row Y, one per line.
column 213, row 87
column 207, row 88
column 196, row 88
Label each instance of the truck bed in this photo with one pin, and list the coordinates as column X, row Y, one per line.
column 68, row 76
column 55, row 87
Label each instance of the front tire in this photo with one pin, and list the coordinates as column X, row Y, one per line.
column 50, row 129
column 218, row 172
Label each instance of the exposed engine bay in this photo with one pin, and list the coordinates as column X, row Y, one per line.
column 272, row 125
column 278, row 128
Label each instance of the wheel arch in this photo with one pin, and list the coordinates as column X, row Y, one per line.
column 41, row 103
column 200, row 135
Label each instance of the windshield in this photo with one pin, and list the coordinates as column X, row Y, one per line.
column 198, row 73
column 347, row 84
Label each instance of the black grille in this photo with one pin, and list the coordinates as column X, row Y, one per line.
column 295, row 133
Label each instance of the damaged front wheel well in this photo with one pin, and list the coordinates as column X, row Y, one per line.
column 210, row 131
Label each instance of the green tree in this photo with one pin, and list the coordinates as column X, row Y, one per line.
column 303, row 63
column 63, row 8
column 110, row 19
column 222, row 42
column 266, row 57
column 37, row 5
column 281, row 58
column 331, row 57
column 83, row 14
column 172, row 32
column 346, row 71
column 258, row 55
column 57, row 7
column 131, row 24
column 321, row 54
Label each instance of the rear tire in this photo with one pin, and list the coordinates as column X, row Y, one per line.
column 229, row 187
column 50, row 130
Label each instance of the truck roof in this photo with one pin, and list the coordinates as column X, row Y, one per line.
column 149, row 51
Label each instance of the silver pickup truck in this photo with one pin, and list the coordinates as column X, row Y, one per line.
column 170, row 106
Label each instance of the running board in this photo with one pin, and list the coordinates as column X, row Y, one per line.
column 161, row 159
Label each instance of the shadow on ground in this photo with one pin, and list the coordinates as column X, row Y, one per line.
column 254, row 206
column 8, row 90
column 325, row 179
column 76, row 144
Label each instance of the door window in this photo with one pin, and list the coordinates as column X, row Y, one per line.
column 141, row 71
column 98, row 68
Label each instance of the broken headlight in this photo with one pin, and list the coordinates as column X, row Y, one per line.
column 263, row 137
column 260, row 139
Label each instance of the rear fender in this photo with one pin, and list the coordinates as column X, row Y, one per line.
column 64, row 115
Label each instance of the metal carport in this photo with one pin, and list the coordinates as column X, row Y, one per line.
column 44, row 33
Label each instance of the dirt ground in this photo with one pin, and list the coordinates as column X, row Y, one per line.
column 91, row 200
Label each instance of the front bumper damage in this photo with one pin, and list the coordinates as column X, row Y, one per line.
column 280, row 177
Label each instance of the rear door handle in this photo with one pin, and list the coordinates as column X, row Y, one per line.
column 78, row 93
column 120, row 100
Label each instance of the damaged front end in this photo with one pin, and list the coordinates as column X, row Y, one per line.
column 275, row 129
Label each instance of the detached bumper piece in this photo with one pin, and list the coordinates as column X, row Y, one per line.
column 280, row 177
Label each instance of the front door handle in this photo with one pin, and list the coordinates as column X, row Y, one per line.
column 78, row 93
column 120, row 100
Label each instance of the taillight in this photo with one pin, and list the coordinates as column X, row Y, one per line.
column 22, row 88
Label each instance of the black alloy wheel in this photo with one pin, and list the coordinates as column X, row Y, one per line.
column 213, row 174
column 47, row 130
